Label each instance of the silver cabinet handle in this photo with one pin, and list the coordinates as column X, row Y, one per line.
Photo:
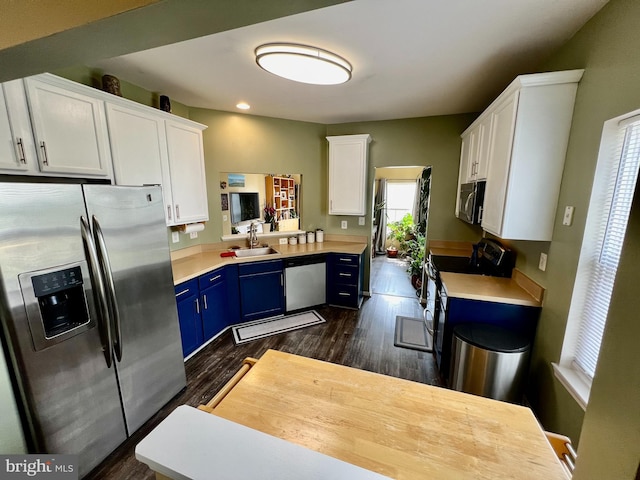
column 23, row 157
column 112, row 301
column 342, row 294
column 186, row 290
column 177, row 212
column 169, row 211
column 215, row 278
column 197, row 306
column 104, row 327
column 346, row 260
column 204, row 298
column 344, row 274
column 45, row 158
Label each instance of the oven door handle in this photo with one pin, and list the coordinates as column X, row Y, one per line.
column 426, row 322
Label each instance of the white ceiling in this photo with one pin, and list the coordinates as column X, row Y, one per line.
column 411, row 58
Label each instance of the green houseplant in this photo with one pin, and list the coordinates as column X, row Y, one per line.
column 400, row 233
column 415, row 256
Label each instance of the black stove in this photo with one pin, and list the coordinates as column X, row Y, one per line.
column 489, row 258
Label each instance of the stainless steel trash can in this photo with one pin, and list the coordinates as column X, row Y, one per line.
column 489, row 361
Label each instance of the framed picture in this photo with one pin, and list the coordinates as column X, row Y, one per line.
column 235, row 180
column 224, row 201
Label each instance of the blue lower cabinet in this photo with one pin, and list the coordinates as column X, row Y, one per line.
column 189, row 316
column 261, row 286
column 213, row 303
column 233, row 295
column 345, row 275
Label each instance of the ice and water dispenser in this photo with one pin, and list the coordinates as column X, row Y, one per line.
column 56, row 304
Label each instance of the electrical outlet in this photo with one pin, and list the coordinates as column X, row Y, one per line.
column 542, row 265
column 225, row 218
column 282, row 241
column 175, row 237
column 567, row 219
column 193, row 235
column 343, row 225
column 360, row 220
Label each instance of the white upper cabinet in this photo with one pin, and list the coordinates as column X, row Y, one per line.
column 69, row 127
column 348, row 174
column 17, row 151
column 139, row 150
column 519, row 145
column 188, row 180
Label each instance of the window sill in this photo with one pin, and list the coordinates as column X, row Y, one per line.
column 575, row 382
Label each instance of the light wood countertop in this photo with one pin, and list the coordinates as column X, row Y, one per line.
column 193, row 266
column 398, row 428
column 450, row 248
column 519, row 290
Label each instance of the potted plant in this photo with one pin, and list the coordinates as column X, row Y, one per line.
column 270, row 217
column 400, row 232
column 415, row 255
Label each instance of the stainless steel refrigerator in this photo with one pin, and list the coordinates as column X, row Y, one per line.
column 88, row 312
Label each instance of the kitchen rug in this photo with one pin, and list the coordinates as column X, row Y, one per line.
column 249, row 331
column 412, row 333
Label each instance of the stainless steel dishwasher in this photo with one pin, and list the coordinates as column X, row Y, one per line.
column 305, row 281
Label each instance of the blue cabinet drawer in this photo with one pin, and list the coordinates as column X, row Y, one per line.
column 186, row 289
column 259, row 267
column 347, row 274
column 344, row 295
column 346, row 259
column 212, row 278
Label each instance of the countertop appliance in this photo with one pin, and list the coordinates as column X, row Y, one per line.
column 305, row 281
column 470, row 202
column 88, row 313
column 489, row 257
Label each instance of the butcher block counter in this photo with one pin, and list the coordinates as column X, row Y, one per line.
column 196, row 264
column 518, row 290
column 392, row 427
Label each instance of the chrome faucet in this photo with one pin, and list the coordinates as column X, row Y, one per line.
column 253, row 235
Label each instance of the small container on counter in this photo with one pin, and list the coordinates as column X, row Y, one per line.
column 302, row 239
column 311, row 237
column 293, row 241
column 319, row 236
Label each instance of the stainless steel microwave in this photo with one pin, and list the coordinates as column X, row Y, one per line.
column 471, row 199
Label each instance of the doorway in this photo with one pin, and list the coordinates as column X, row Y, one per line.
column 400, row 213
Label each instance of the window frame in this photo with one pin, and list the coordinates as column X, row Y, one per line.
column 570, row 376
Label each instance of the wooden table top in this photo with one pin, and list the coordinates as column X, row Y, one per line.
column 398, row 428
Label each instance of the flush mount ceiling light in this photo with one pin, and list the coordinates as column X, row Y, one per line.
column 302, row 63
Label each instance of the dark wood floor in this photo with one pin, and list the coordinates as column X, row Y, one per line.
column 361, row 339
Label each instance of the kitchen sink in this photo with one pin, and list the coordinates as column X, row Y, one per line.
column 254, row 252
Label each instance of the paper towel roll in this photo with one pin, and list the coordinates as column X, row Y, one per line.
column 192, row 227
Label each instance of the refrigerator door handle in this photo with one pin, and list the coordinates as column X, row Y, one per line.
column 109, row 286
column 98, row 291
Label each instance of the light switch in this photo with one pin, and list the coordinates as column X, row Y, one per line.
column 542, row 265
column 175, row 237
column 224, row 217
column 360, row 220
column 567, row 219
column 343, row 225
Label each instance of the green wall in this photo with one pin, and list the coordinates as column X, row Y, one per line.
column 607, row 48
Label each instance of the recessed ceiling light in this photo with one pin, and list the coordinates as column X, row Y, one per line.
column 303, row 63
column 243, row 106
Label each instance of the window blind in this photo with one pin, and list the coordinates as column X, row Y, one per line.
column 607, row 246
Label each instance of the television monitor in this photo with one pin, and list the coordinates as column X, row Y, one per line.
column 245, row 206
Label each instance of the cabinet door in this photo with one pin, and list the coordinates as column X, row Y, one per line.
column 70, row 130
column 502, row 126
column 17, row 154
column 348, row 174
column 213, row 300
column 483, row 140
column 186, row 165
column 261, row 289
column 189, row 317
column 139, row 151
